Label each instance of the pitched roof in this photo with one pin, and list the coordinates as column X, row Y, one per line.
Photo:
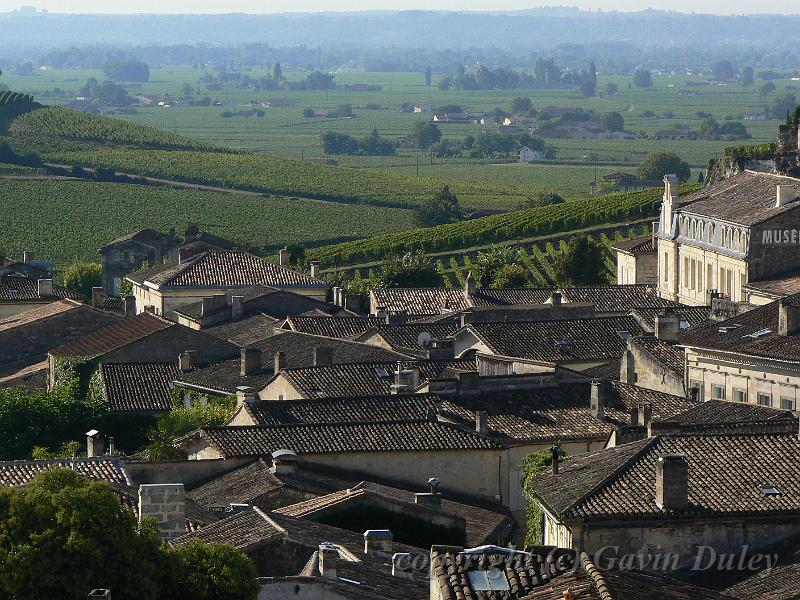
column 510, row 296
column 40, row 312
column 114, row 336
column 638, row 245
column 138, row 387
column 785, row 284
column 616, row 298
column 406, row 335
column 245, row 531
column 225, row 269
column 420, row 301
column 690, row 316
column 407, row 436
column 334, row 327
column 747, row 198
column 782, row 580
column 354, row 410
column 246, row 332
column 147, row 236
column 558, row 341
column 754, row 333
column 15, row 289
column 224, row 377
column 726, row 475
column 20, row 472
column 728, row 416
column 368, row 378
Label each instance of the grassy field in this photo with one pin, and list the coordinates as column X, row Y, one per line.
column 284, row 132
column 64, row 220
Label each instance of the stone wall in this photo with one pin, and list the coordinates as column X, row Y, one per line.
column 166, row 503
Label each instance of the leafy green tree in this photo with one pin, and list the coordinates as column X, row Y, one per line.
column 589, row 81
column 442, row 208
column 487, row 264
column 782, row 105
column 182, row 420
column 642, row 78
column 612, row 121
column 344, row 110
column 520, row 105
column 131, row 70
column 215, row 572
column 766, row 89
column 511, row 276
column 426, row 134
column 277, row 72
column 709, row 126
column 428, row 76
column 583, row 262
column 63, row 535
column 611, row 89
column 82, row 276
column 747, row 77
column 445, row 83
column 412, row 269
column 723, row 69
column 657, row 164
column 339, row 143
column 543, row 198
column 375, row 145
column 297, row 254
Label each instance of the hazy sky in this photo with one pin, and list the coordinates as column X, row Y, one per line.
column 267, row 6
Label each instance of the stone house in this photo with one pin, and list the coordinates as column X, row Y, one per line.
column 733, row 232
column 167, row 286
column 668, row 497
column 637, row 261
column 20, row 294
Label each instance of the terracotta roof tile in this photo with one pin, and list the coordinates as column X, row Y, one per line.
column 139, row 387
column 114, row 336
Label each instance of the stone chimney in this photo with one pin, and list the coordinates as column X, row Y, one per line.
column 94, row 444
column 466, row 317
column 283, row 257
column 441, row 348
column 212, row 304
column 401, row 565
column 428, row 499
column 788, row 318
column 284, row 462
column 130, row 305
column 166, row 503
column 44, row 288
column 100, row 593
column 555, row 457
column 671, row 194
column 323, row 357
column 249, row 361
column 672, row 482
column 407, row 378
column 328, row 555
column 28, row 257
column 351, row 302
column 245, row 393
column 237, row 308
column 555, row 299
column 187, row 360
column 98, row 296
column 337, row 295
column 481, row 421
column 598, row 399
column 315, row 270
column 378, row 542
column 668, row 326
column 112, row 445
column 634, row 412
column 467, row 382
column 784, row 194
column 645, row 415
column 279, row 362
column 469, row 285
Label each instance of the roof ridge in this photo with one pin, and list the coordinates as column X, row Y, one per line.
column 597, row 576
column 606, row 481
column 269, row 520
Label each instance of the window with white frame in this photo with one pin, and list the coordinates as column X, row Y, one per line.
column 739, row 395
column 718, row 392
column 764, row 399
column 787, row 403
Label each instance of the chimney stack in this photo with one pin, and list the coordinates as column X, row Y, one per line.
column 212, row 304
column 406, row 378
column 469, row 285
column 672, row 482
column 283, row 462
column 44, row 288
column 130, row 305
column 598, row 399
column 283, row 257
column 323, row 357
column 634, row 417
column 555, row 299
column 378, row 542
column 645, row 414
column 28, row 257
column 249, row 361
column 401, row 565
column 668, row 326
column 428, row 499
column 187, row 360
column 671, row 195
column 466, row 317
column 784, row 194
column 237, row 308
column 788, row 318
column 555, row 456
column 328, row 555
column 94, row 444
column 98, row 296
column 245, row 393
column 337, row 295
column 481, row 421
column 315, row 270
column 166, row 503
column 112, row 442
column 280, row 362
column 351, row 302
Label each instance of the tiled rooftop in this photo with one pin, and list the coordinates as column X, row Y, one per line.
column 139, row 387
column 114, row 336
column 334, row 327
column 20, row 472
column 15, row 289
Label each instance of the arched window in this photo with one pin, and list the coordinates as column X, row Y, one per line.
column 736, row 240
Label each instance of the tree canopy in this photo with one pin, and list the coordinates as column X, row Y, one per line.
column 81, row 276
column 657, row 164
column 582, row 263
column 412, row 269
column 642, row 78
column 426, row 134
column 441, row 209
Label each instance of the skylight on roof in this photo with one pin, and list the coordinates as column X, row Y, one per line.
column 684, row 324
column 729, row 328
column 561, row 343
column 382, row 372
column 624, row 335
column 757, row 334
column 488, row 581
column 769, row 490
